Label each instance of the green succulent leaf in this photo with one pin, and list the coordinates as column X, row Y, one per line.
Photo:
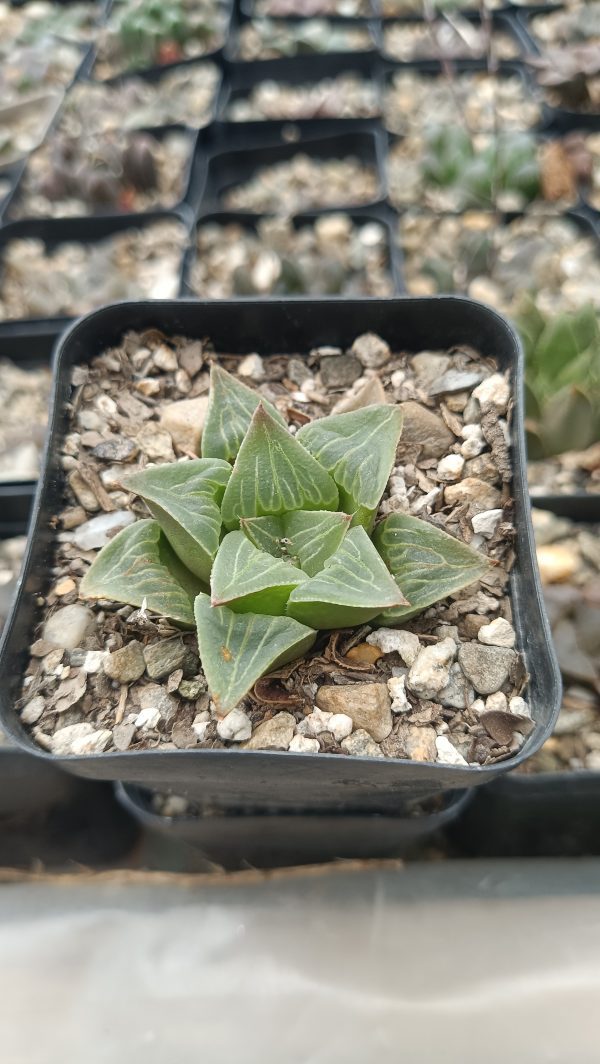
column 236, row 649
column 568, row 422
column 184, row 498
column 274, row 474
column 249, row 580
column 139, row 566
column 353, row 587
column 427, row 563
column 359, row 450
column 231, row 405
column 306, row 537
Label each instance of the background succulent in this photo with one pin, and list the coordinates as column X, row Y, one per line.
column 562, row 379
column 151, row 31
column 263, row 554
column 506, row 163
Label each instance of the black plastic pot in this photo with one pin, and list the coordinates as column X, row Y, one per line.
column 159, row 134
column 55, row 231
column 264, row 840
column 228, row 169
column 299, row 70
column 250, row 223
column 234, row 779
column 231, row 51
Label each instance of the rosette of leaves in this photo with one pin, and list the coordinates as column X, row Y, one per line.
column 562, row 392
column 506, row 163
column 267, row 538
column 151, row 31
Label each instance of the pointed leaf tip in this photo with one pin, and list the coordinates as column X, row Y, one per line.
column 231, row 405
column 249, row 580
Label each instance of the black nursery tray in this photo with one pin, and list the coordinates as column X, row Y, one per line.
column 238, row 839
column 234, row 779
column 232, row 48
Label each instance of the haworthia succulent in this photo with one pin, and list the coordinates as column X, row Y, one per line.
column 274, row 474
column 249, row 580
column 358, row 449
column 427, row 563
column 184, row 498
column 231, row 405
column 139, row 566
column 238, row 648
column 307, row 537
column 353, row 587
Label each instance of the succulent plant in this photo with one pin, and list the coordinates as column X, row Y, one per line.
column 507, row 163
column 263, row 554
column 562, row 379
column 151, row 31
column 567, row 73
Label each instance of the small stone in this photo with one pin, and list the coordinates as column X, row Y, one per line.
column 364, row 654
column 397, row 690
column 40, row 648
column 423, row 429
column 51, row 664
column 340, row 725
column 395, row 640
column 430, row 671
column 450, row 468
column 69, row 626
column 371, row 351
column 126, row 664
column 148, row 719
column 493, row 393
column 497, row 702
column 64, row 587
column 116, row 449
column 314, row 723
column 478, row 494
column 166, row 656
column 368, row 704
column 455, row 380
column 96, row 532
column 72, row 517
column 154, row 696
column 191, row 358
column 419, row 742
column 360, row 744
column 123, row 735
column 235, row 727
column 369, row 392
column 147, row 386
column 32, row 711
column 474, row 441
column 447, row 754
column 486, row 522
column 458, row 693
column 200, row 724
column 273, row 734
column 252, row 368
column 165, row 359
column 429, row 366
column 93, row 660
column 184, row 421
column 155, row 442
column 519, row 707
column 558, row 563
column 498, row 633
column 79, row 739
column 341, row 371
column 82, row 492
column 191, row 689
column 486, row 667
column 300, row 744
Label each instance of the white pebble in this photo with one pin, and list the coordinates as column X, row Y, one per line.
column 93, row 660
column 397, row 378
column 498, row 633
column 68, row 626
column 493, row 392
column 235, row 727
column 95, row 532
column 315, row 723
column 430, row 671
column 486, row 523
column 32, row 711
column 497, row 703
column 340, row 726
column 397, row 689
column 447, row 754
column 300, row 744
column 390, row 640
column 450, row 468
column 252, row 366
column 79, row 739
column 519, row 707
column 147, row 719
column 200, row 729
column 474, row 441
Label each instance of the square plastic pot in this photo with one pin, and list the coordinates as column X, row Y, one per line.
column 256, row 779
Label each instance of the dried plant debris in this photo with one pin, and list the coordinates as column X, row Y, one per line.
column 24, row 397
column 99, row 173
column 35, row 68
column 577, row 24
column 11, row 556
column 303, row 182
column 482, row 102
column 447, row 686
column 447, row 38
column 548, row 256
column 267, row 38
column 447, row 169
column 312, row 8
column 46, row 23
column 183, row 96
column 570, row 77
column 332, row 256
column 146, row 33
column 569, row 560
column 344, row 96
column 73, row 278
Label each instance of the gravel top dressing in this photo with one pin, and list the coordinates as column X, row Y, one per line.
column 446, row 686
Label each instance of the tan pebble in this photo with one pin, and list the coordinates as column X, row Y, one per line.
column 365, row 654
column 557, row 563
column 64, row 587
